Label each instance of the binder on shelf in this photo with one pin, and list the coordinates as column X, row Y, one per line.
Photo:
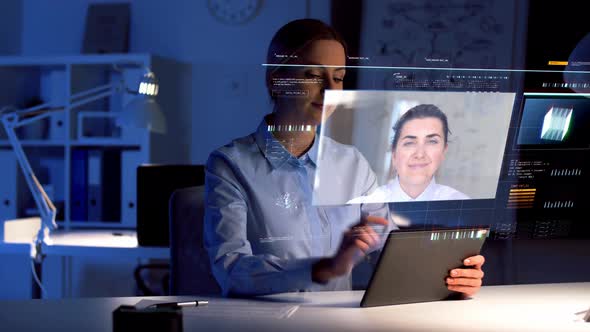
column 94, row 193
column 111, row 185
column 79, row 191
column 130, row 159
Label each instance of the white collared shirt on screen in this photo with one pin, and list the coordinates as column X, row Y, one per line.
column 393, row 192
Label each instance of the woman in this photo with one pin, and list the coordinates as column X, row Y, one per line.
column 419, row 146
column 261, row 231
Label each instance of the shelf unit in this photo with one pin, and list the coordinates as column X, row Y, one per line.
column 92, row 175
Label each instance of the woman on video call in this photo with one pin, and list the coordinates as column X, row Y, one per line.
column 261, row 231
column 419, row 146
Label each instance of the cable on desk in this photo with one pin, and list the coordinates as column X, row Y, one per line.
column 43, row 292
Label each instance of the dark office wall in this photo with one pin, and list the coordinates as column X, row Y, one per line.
column 11, row 17
column 228, row 92
column 527, row 261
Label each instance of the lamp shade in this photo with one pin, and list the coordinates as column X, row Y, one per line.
column 144, row 112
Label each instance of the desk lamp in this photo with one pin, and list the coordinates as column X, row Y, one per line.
column 142, row 112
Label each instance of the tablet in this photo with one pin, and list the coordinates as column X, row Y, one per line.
column 414, row 264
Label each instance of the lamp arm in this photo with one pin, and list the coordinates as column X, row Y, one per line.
column 13, row 118
column 90, row 95
column 46, row 207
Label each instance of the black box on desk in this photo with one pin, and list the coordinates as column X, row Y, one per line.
column 155, row 185
column 127, row 318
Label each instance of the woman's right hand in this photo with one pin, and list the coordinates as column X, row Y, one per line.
column 358, row 241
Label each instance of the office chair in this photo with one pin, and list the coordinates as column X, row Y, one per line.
column 190, row 271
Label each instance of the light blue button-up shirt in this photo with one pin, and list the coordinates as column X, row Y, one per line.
column 261, row 230
column 393, row 192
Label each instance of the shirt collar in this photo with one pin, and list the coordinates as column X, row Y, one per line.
column 425, row 195
column 428, row 192
column 312, row 153
column 275, row 152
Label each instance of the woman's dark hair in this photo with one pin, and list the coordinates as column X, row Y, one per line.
column 293, row 38
column 420, row 112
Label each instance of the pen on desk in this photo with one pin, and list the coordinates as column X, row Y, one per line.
column 180, row 304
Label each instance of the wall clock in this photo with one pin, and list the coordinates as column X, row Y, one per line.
column 234, row 12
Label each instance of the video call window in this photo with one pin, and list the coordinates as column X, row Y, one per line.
column 422, row 161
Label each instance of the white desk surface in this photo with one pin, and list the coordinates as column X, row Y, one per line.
column 121, row 243
column 543, row 307
column 100, row 243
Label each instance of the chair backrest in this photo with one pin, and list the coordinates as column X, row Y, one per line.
column 190, row 271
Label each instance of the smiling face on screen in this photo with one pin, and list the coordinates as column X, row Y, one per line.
column 419, row 152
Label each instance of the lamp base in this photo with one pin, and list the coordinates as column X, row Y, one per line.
column 26, row 231
column 22, row 230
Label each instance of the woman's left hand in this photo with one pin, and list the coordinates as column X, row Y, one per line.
column 467, row 281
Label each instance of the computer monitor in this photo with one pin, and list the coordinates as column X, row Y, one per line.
column 155, row 185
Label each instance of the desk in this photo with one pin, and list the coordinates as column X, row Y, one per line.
column 542, row 307
column 81, row 251
column 89, row 243
column 100, row 243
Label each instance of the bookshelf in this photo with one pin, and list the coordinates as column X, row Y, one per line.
column 84, row 160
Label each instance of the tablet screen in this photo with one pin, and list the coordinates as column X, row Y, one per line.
column 414, row 264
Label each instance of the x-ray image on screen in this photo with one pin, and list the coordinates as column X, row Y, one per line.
column 561, row 122
column 397, row 146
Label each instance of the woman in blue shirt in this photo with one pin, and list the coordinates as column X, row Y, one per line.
column 262, row 233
